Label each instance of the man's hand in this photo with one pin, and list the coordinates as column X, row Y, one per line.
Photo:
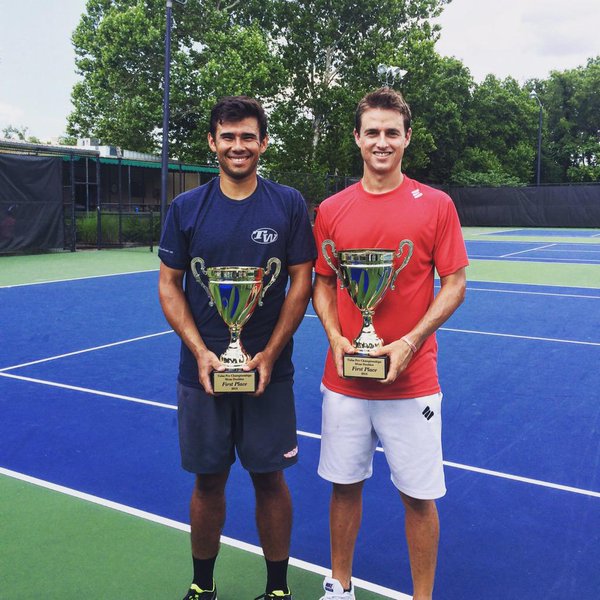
column 400, row 354
column 207, row 363
column 340, row 346
column 263, row 363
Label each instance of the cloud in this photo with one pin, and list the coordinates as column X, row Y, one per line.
column 520, row 38
column 559, row 32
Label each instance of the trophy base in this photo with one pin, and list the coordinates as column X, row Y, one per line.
column 360, row 366
column 234, row 381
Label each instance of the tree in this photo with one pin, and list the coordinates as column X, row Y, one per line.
column 309, row 61
column 572, row 104
column 439, row 93
column 501, row 135
column 12, row 132
column 119, row 48
column 330, row 50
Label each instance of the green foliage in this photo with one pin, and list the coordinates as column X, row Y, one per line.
column 501, row 133
column 571, row 102
column 309, row 62
column 11, row 132
column 135, row 228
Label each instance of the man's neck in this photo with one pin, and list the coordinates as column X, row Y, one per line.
column 238, row 189
column 380, row 184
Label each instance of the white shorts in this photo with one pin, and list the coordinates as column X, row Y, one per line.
column 410, row 431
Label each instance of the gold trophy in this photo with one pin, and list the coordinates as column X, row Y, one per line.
column 235, row 291
column 367, row 273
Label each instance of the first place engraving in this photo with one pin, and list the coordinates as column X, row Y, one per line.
column 367, row 274
column 235, row 292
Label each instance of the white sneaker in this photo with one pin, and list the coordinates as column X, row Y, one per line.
column 335, row 591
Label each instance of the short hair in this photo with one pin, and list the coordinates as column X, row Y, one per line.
column 236, row 108
column 385, row 98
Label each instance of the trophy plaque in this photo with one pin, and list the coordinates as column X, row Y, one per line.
column 367, row 274
column 235, row 292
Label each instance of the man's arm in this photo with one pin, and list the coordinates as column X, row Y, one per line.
column 179, row 315
column 449, row 298
column 292, row 312
column 325, row 303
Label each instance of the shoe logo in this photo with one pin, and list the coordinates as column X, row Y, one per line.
column 264, row 235
column 428, row 413
column 417, row 193
column 329, row 587
column 291, row 453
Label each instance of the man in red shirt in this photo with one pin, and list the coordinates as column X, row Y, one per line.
column 403, row 411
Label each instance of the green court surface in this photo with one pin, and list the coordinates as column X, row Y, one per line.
column 73, row 548
column 15, row 270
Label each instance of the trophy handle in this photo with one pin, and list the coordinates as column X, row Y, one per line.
column 198, row 278
column 410, row 246
column 324, row 245
column 277, row 263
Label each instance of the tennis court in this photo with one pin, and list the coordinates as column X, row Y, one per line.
column 93, row 502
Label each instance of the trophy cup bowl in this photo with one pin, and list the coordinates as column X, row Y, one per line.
column 367, row 274
column 235, row 292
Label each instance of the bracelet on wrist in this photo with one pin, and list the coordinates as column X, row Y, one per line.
column 409, row 344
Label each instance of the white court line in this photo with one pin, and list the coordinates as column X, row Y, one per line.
column 509, row 335
column 311, row 435
column 76, row 388
column 554, row 486
column 147, row 516
column 77, row 278
column 309, row 315
column 576, row 251
column 588, row 261
column 43, row 360
column 521, row 337
column 528, row 250
column 474, row 289
column 496, row 232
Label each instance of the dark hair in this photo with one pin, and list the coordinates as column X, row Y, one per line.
column 236, row 108
column 386, row 98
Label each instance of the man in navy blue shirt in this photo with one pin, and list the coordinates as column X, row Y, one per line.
column 237, row 219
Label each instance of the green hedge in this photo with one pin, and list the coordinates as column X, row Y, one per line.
column 135, row 228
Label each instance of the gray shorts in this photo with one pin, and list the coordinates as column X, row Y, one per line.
column 261, row 429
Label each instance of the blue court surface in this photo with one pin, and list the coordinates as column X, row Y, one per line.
column 554, row 252
column 87, row 397
column 580, row 233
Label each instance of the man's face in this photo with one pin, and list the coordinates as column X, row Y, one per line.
column 382, row 140
column 238, row 147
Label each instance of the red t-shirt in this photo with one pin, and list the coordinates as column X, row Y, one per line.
column 354, row 218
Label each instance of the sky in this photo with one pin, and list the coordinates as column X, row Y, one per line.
column 520, row 38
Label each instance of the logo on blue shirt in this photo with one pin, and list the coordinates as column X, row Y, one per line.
column 264, row 235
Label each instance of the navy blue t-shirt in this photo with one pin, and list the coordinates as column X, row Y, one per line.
column 203, row 222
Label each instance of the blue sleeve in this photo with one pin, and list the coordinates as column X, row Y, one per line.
column 302, row 243
column 174, row 241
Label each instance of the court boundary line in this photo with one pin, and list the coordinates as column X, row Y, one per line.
column 523, row 337
column 309, row 315
column 78, row 278
column 528, row 250
column 173, row 524
column 577, row 287
column 553, row 294
column 537, row 260
column 308, row 434
column 76, row 352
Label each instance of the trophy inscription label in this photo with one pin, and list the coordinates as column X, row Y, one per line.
column 367, row 367
column 234, row 381
column 367, row 274
column 235, row 292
